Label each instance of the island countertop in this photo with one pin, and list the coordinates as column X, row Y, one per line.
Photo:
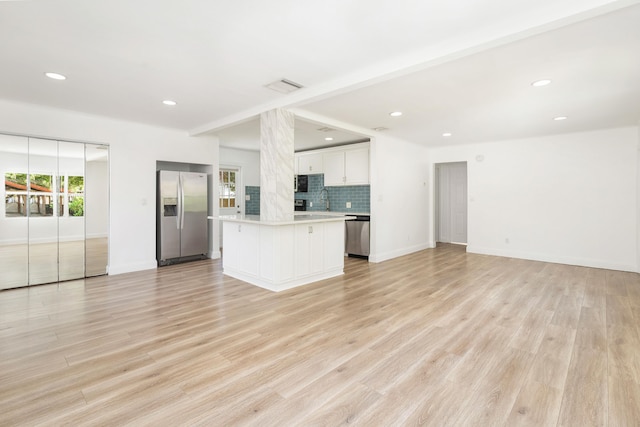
column 297, row 219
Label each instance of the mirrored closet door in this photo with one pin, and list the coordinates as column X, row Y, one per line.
column 54, row 222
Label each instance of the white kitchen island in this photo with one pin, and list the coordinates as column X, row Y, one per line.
column 279, row 255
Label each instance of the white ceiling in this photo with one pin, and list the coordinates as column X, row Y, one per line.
column 460, row 65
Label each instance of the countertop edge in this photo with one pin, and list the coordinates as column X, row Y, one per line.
column 258, row 221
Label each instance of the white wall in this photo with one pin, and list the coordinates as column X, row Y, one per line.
column 134, row 149
column 400, row 187
column 567, row 198
column 249, row 161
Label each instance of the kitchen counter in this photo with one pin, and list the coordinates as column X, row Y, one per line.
column 279, row 255
column 329, row 213
column 299, row 217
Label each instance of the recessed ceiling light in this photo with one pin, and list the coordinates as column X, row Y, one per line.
column 55, row 76
column 328, row 139
column 169, row 102
column 539, row 83
column 560, row 118
column 396, row 114
column 447, row 134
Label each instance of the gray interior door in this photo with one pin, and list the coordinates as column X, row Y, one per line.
column 452, row 202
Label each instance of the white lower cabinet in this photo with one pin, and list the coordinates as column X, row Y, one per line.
column 334, row 238
column 279, row 257
column 237, row 238
column 309, row 256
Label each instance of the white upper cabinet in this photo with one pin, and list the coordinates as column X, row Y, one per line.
column 356, row 166
column 346, row 167
column 334, row 168
column 309, row 163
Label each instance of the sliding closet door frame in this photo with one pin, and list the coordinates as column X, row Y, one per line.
column 43, row 206
column 14, row 223
column 42, row 249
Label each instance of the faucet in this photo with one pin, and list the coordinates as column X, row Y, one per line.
column 324, row 195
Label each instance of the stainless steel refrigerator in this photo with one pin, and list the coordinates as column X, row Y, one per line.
column 182, row 229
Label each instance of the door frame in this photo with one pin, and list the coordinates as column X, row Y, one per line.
column 239, row 210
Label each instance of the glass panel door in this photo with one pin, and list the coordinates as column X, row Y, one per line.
column 42, row 208
column 71, row 210
column 96, row 209
column 14, row 248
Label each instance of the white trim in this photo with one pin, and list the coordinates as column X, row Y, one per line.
column 130, row 268
column 271, row 286
column 568, row 260
column 400, row 252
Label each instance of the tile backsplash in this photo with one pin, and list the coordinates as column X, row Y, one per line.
column 252, row 206
column 358, row 195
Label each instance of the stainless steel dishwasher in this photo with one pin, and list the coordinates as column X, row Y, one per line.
column 357, row 236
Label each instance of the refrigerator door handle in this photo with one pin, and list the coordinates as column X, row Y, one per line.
column 178, row 205
column 181, row 202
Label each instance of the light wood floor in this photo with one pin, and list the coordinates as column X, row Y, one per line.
column 437, row 338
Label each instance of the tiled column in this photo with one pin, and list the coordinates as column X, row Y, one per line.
column 276, row 165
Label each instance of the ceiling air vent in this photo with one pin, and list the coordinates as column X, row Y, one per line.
column 326, row 129
column 284, row 86
column 380, row 129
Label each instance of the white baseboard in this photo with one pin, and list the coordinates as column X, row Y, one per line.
column 583, row 262
column 130, row 268
column 97, row 236
column 282, row 286
column 384, row 256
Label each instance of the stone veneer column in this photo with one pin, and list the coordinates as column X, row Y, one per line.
column 277, row 161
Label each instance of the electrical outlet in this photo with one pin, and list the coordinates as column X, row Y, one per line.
column 348, row 205
column 247, row 197
column 310, row 204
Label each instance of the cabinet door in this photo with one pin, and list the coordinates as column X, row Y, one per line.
column 249, row 246
column 333, row 245
column 310, row 164
column 302, row 266
column 316, row 248
column 231, row 245
column 309, row 249
column 356, row 167
column 334, row 168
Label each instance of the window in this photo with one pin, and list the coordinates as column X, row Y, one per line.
column 228, row 188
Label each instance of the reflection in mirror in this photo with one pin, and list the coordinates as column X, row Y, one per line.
column 70, row 210
column 42, row 223
column 96, row 209
column 14, row 249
